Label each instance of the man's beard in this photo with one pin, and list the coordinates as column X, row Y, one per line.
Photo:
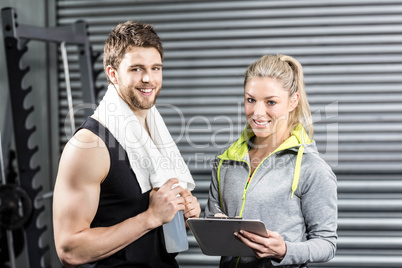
column 131, row 99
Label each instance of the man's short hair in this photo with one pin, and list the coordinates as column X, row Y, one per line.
column 126, row 35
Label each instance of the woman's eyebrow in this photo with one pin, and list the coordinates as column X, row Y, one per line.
column 269, row 97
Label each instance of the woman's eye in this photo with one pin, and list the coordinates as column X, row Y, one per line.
column 271, row 103
column 250, row 100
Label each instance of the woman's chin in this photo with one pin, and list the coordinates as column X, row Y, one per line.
column 262, row 133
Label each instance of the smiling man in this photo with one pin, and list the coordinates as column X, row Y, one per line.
column 109, row 207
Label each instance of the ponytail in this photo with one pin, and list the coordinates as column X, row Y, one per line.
column 301, row 114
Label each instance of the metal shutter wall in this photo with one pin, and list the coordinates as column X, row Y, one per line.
column 352, row 57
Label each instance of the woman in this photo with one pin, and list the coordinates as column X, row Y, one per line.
column 274, row 173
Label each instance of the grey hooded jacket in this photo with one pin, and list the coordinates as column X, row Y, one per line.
column 299, row 201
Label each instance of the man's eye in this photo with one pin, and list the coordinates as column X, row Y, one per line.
column 156, row 68
column 136, row 69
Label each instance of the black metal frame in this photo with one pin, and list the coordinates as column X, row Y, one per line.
column 16, row 37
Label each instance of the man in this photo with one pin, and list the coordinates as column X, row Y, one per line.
column 109, row 207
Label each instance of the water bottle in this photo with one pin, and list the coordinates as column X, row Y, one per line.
column 175, row 234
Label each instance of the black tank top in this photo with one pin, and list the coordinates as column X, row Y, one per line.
column 120, row 199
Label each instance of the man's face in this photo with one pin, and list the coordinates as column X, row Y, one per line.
column 139, row 77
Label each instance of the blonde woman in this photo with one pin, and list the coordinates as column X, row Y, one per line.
column 274, row 173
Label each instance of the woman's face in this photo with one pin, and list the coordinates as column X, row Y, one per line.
column 267, row 107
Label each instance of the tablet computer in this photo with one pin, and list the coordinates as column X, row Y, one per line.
column 215, row 236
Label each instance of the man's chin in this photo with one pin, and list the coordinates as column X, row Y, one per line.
column 142, row 105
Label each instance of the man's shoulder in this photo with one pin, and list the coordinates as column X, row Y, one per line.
column 86, row 139
column 85, row 153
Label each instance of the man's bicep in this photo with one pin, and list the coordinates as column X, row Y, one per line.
column 77, row 188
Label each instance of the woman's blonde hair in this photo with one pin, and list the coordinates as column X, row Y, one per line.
column 289, row 72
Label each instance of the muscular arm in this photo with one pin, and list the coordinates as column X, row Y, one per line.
column 83, row 167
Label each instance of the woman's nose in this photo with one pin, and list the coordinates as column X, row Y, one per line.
column 259, row 108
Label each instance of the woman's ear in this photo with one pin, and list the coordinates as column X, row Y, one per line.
column 293, row 101
column 112, row 74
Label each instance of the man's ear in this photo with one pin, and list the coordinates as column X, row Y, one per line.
column 294, row 101
column 112, row 74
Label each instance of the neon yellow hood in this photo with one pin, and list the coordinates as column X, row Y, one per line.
column 239, row 149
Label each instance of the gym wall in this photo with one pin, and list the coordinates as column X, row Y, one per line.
column 352, row 56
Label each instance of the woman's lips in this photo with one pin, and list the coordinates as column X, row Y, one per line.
column 260, row 123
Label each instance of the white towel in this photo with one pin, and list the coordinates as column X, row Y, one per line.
column 153, row 159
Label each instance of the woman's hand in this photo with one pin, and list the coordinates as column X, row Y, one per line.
column 272, row 246
column 220, row 215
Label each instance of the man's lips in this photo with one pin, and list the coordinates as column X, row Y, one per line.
column 145, row 90
column 148, row 91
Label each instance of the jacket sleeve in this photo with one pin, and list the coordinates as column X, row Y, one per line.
column 318, row 197
column 213, row 197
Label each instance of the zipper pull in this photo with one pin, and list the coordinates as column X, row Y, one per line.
column 244, row 195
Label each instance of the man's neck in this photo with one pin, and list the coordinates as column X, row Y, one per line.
column 142, row 117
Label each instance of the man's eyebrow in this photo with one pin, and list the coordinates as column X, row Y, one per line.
column 143, row 66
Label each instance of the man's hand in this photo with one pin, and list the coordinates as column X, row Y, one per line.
column 192, row 208
column 164, row 202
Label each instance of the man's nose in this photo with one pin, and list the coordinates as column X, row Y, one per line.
column 146, row 76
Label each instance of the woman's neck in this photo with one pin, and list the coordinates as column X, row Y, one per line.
column 272, row 142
